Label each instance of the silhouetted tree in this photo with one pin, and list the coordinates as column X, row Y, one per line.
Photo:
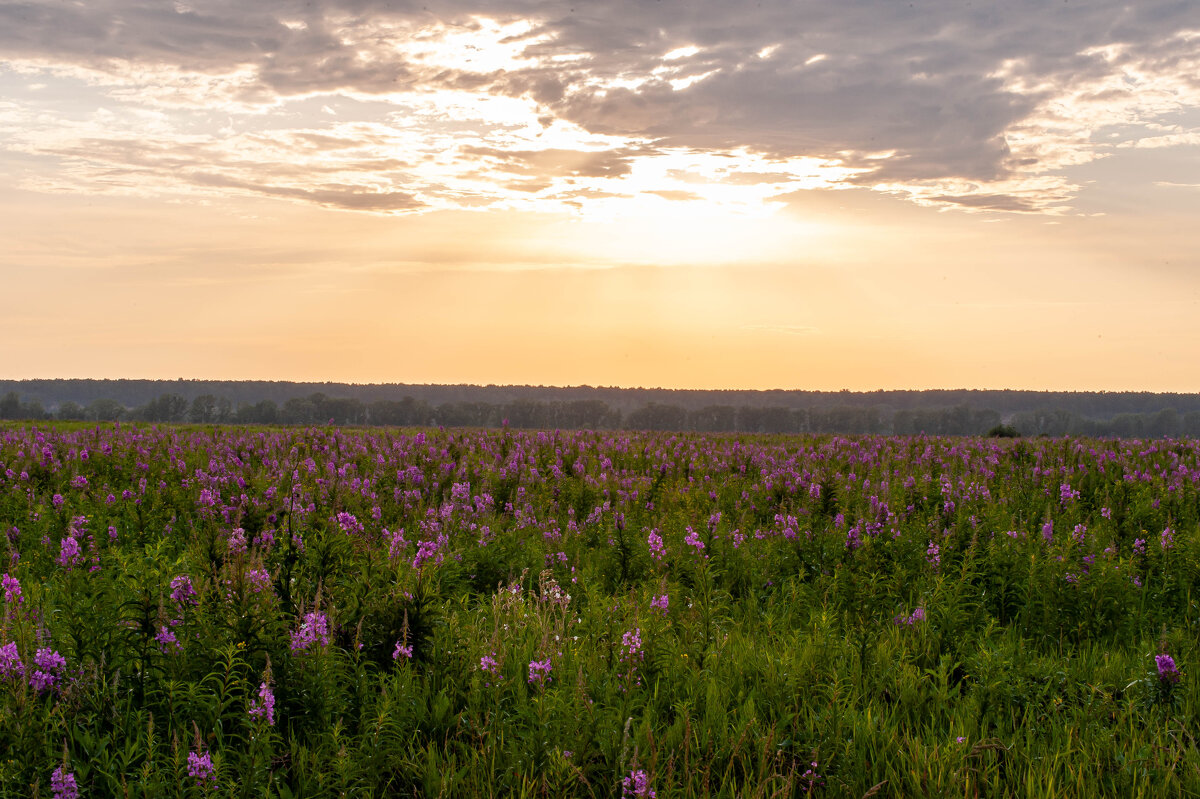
column 104, row 410
column 10, row 406
column 69, row 411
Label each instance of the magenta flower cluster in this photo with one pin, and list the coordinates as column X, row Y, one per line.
column 632, row 655
column 1167, row 539
column 313, row 630
column 655, row 542
column 10, row 661
column 48, row 668
column 490, row 667
column 637, row 786
column 167, row 643
column 237, row 541
column 264, row 706
column 812, row 780
column 430, row 550
column 12, row 590
column 1168, row 672
column 69, row 553
column 63, row 785
column 200, row 767
column 259, row 580
column 182, row 591
column 539, row 671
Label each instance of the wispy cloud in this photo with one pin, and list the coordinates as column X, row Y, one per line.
column 372, row 106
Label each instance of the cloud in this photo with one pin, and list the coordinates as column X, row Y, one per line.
column 677, row 195
column 515, row 103
column 560, row 162
column 349, row 198
column 990, row 202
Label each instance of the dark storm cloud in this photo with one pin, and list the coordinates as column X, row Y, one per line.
column 926, row 82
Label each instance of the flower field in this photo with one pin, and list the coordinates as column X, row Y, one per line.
column 320, row 612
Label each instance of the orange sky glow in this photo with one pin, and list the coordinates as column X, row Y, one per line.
column 805, row 196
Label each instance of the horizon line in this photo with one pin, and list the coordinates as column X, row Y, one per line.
column 841, row 390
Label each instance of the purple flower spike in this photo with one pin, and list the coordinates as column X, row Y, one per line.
column 182, row 591
column 637, row 786
column 264, row 706
column 314, row 630
column 12, row 589
column 1168, row 672
column 48, row 668
column 539, row 671
column 200, row 766
column 10, row 661
column 62, row 783
column 167, row 642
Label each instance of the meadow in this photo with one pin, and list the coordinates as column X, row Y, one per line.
column 323, row 611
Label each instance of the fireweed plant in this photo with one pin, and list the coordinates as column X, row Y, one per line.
column 315, row 612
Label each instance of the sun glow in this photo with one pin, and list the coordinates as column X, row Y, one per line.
column 484, row 45
column 656, row 231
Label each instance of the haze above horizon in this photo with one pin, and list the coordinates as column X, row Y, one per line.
column 794, row 195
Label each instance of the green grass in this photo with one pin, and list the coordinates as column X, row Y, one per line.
column 778, row 670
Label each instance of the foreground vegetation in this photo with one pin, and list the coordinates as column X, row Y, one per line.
column 315, row 612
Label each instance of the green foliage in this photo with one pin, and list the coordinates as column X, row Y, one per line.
column 452, row 614
column 1003, row 431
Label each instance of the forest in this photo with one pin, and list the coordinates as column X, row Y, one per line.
column 935, row 412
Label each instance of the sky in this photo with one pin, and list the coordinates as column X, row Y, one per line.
column 813, row 194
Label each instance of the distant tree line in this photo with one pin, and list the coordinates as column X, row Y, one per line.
column 1008, row 403
column 320, row 408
